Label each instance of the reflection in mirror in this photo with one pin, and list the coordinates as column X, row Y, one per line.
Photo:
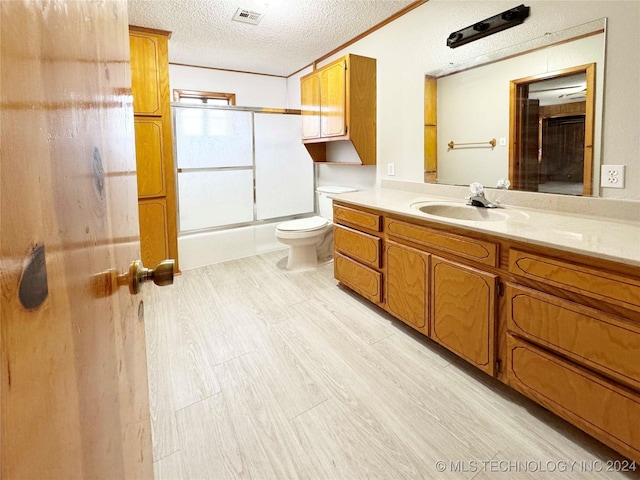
column 468, row 106
column 552, row 127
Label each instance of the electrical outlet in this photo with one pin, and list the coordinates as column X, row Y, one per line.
column 391, row 169
column 502, row 141
column 612, row 176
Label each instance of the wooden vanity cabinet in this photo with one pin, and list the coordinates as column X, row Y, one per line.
column 338, row 102
column 460, row 298
column 578, row 360
column 561, row 328
column 452, row 302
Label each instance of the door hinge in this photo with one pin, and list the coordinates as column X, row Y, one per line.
column 498, row 366
column 346, row 127
column 501, row 289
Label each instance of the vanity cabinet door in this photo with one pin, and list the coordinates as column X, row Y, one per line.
column 407, row 285
column 602, row 408
column 463, row 311
column 363, row 280
column 360, row 246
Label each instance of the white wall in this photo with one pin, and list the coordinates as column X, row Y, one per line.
column 252, row 90
column 415, row 44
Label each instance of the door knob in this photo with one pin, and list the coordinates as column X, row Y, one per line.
column 137, row 275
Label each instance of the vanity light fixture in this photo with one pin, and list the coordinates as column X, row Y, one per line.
column 495, row 24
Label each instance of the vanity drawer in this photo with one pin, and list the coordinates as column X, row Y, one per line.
column 369, row 221
column 361, row 246
column 478, row 250
column 364, row 280
column 605, row 410
column 605, row 343
column 608, row 287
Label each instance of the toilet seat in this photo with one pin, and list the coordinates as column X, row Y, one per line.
column 304, row 224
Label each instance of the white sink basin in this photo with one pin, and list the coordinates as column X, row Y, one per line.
column 457, row 211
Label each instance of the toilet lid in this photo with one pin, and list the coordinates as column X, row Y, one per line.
column 304, row 224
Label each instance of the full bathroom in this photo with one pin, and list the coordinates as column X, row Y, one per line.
column 409, row 248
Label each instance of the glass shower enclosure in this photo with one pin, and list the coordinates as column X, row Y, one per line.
column 238, row 166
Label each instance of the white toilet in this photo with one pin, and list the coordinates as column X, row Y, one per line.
column 310, row 239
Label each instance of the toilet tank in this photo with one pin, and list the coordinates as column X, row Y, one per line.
column 325, row 204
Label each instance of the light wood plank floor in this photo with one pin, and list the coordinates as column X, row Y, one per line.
column 260, row 373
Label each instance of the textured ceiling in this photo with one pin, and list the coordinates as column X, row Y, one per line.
column 291, row 35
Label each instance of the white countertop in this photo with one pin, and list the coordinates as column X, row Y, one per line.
column 610, row 239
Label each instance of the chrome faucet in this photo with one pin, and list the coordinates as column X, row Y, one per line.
column 477, row 198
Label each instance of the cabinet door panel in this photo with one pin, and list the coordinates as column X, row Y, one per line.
column 145, row 82
column 601, row 408
column 593, row 282
column 358, row 218
column 463, row 246
column 154, row 244
column 149, row 158
column 310, row 93
column 333, row 100
column 463, row 311
column 608, row 344
column 361, row 246
column 407, row 285
column 366, row 281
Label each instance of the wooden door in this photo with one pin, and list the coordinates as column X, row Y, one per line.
column 73, row 366
column 407, row 285
column 463, row 311
column 562, row 147
column 528, row 173
column 333, row 99
column 310, row 97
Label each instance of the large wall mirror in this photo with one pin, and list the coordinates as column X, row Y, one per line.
column 531, row 113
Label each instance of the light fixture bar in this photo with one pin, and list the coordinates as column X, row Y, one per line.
column 497, row 23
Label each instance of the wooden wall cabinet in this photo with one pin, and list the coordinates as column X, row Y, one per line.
column 154, row 145
column 562, row 329
column 339, row 104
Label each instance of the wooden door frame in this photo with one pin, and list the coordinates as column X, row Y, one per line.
column 516, row 88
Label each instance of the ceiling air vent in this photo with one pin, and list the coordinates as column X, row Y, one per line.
column 247, row 16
